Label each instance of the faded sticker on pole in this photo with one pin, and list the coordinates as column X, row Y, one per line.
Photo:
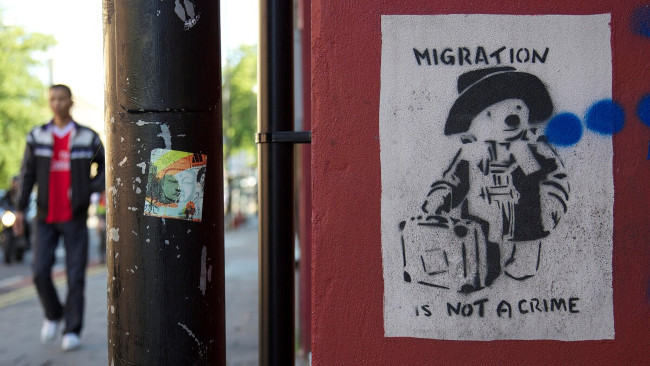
column 175, row 185
column 497, row 199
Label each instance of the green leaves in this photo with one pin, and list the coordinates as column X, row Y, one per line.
column 240, row 100
column 22, row 95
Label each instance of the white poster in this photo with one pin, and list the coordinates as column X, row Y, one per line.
column 497, row 187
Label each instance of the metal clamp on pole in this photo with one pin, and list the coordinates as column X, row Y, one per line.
column 288, row 137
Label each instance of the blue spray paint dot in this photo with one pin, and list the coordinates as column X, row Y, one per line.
column 640, row 20
column 564, row 129
column 643, row 110
column 605, row 117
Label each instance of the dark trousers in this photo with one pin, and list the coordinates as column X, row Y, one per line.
column 75, row 239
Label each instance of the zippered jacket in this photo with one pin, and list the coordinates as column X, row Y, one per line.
column 86, row 148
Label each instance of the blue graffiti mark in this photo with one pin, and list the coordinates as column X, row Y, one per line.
column 564, row 129
column 643, row 110
column 640, row 20
column 605, row 117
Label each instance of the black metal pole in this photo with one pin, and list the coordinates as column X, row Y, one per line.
column 164, row 183
column 276, row 185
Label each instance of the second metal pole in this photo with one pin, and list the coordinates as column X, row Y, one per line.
column 276, row 185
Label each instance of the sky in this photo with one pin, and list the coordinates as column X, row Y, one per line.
column 77, row 59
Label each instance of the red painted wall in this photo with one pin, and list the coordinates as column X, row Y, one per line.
column 347, row 278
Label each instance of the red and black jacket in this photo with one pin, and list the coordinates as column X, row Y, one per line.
column 86, row 148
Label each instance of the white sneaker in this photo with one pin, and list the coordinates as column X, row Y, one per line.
column 70, row 342
column 49, row 330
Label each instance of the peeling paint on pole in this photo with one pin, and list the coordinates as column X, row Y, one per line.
column 497, row 209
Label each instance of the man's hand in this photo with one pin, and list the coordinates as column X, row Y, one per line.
column 19, row 225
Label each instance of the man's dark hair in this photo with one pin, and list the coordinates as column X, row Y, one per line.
column 200, row 175
column 65, row 88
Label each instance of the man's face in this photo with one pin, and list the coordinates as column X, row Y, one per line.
column 501, row 121
column 187, row 184
column 170, row 189
column 60, row 102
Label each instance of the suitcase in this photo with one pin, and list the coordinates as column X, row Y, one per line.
column 448, row 253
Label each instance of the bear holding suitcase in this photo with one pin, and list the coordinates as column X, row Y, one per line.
column 504, row 191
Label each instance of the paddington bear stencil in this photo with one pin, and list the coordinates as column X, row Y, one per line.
column 502, row 194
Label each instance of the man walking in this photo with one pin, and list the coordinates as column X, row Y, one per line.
column 58, row 159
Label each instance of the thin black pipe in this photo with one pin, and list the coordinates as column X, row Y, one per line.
column 276, row 203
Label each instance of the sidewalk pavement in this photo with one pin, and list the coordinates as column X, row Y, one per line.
column 21, row 314
column 21, row 319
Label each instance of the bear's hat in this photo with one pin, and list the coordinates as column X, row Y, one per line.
column 481, row 88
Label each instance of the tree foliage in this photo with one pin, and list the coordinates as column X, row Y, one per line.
column 22, row 95
column 240, row 100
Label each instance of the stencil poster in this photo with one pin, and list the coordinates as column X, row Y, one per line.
column 175, row 185
column 497, row 202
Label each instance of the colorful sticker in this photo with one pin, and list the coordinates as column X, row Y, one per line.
column 175, row 185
